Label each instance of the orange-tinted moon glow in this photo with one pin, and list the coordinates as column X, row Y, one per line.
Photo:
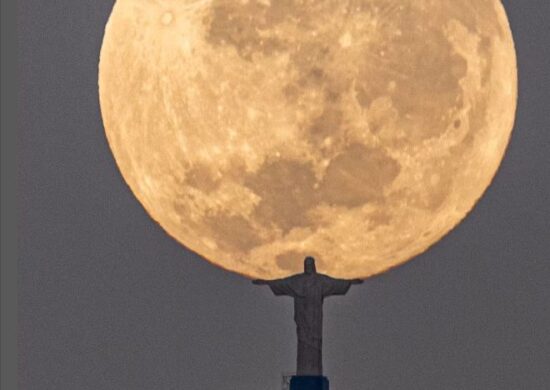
column 256, row 132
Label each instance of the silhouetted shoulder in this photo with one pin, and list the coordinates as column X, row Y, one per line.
column 286, row 286
column 333, row 286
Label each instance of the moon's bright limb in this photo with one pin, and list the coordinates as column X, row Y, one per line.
column 259, row 131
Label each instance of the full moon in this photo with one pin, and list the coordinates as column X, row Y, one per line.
column 256, row 132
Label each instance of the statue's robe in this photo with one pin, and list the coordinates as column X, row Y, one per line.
column 308, row 291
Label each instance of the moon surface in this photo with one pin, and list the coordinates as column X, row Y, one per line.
column 256, row 132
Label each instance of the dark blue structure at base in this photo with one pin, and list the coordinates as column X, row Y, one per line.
column 309, row 383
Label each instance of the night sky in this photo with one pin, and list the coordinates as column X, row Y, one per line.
column 107, row 300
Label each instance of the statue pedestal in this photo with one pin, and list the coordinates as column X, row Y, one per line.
column 309, row 383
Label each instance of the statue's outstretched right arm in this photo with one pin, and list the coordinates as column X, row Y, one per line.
column 278, row 286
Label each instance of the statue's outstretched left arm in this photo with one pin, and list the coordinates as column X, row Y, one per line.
column 334, row 286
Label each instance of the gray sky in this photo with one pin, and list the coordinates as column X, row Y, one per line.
column 108, row 301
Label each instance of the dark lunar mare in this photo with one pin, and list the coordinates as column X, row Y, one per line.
column 309, row 289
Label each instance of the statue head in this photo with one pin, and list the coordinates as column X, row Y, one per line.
column 309, row 265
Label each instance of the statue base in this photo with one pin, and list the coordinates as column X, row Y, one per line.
column 309, row 383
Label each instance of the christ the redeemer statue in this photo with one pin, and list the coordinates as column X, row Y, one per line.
column 308, row 290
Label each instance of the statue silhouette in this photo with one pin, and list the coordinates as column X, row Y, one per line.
column 309, row 289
